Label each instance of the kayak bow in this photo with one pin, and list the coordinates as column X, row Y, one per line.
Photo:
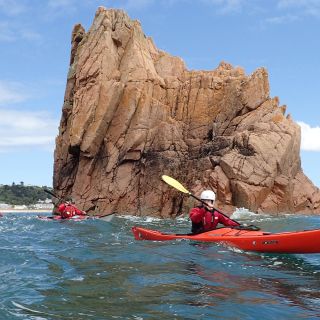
column 307, row 241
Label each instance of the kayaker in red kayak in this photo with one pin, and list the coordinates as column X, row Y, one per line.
column 205, row 217
column 68, row 210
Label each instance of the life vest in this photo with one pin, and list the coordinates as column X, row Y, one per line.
column 198, row 227
column 68, row 211
column 205, row 220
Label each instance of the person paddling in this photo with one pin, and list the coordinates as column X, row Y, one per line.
column 205, row 217
column 68, row 210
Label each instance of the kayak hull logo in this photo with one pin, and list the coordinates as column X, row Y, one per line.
column 270, row 242
column 254, row 243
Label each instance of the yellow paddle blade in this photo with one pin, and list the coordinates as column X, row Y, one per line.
column 175, row 184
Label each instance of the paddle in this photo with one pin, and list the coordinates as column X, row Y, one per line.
column 60, row 199
column 52, row 194
column 177, row 185
column 100, row 216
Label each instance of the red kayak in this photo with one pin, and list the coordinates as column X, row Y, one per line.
column 58, row 218
column 307, row 241
column 106, row 217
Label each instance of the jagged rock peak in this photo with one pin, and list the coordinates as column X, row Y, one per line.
column 133, row 112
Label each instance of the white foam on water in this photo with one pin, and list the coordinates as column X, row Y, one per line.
column 21, row 307
column 78, row 278
column 234, row 249
column 242, row 213
column 140, row 219
column 310, row 259
column 183, row 218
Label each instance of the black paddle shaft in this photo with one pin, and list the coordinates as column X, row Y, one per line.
column 52, row 194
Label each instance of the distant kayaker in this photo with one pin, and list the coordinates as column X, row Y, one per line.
column 68, row 210
column 205, row 217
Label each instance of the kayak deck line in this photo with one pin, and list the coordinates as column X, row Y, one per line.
column 306, row 241
column 228, row 231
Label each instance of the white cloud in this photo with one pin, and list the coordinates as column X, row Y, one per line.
column 304, row 7
column 310, row 137
column 11, row 7
column 10, row 32
column 223, row 6
column 62, row 4
column 287, row 11
column 282, row 19
column 298, row 3
column 25, row 141
column 290, row 11
column 25, row 128
column 30, row 35
column 137, row 4
column 12, row 92
column 227, row 6
column 7, row 34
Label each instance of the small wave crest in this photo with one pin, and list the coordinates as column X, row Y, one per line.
column 139, row 218
column 32, row 311
column 243, row 213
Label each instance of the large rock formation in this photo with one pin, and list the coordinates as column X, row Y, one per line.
column 133, row 112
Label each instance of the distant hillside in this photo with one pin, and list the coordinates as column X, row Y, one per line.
column 18, row 194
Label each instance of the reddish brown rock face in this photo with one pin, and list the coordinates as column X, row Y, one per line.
column 132, row 113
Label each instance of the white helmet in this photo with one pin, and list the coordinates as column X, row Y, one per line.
column 208, row 195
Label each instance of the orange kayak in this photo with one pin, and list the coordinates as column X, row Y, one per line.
column 307, row 241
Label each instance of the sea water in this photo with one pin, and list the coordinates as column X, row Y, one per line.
column 96, row 270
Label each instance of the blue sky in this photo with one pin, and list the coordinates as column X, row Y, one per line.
column 280, row 35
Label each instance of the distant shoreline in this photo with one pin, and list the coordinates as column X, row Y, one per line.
column 24, row 211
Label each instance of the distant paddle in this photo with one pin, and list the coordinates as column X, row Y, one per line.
column 52, row 194
column 177, row 185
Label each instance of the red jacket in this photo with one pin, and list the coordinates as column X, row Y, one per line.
column 68, row 210
column 204, row 220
